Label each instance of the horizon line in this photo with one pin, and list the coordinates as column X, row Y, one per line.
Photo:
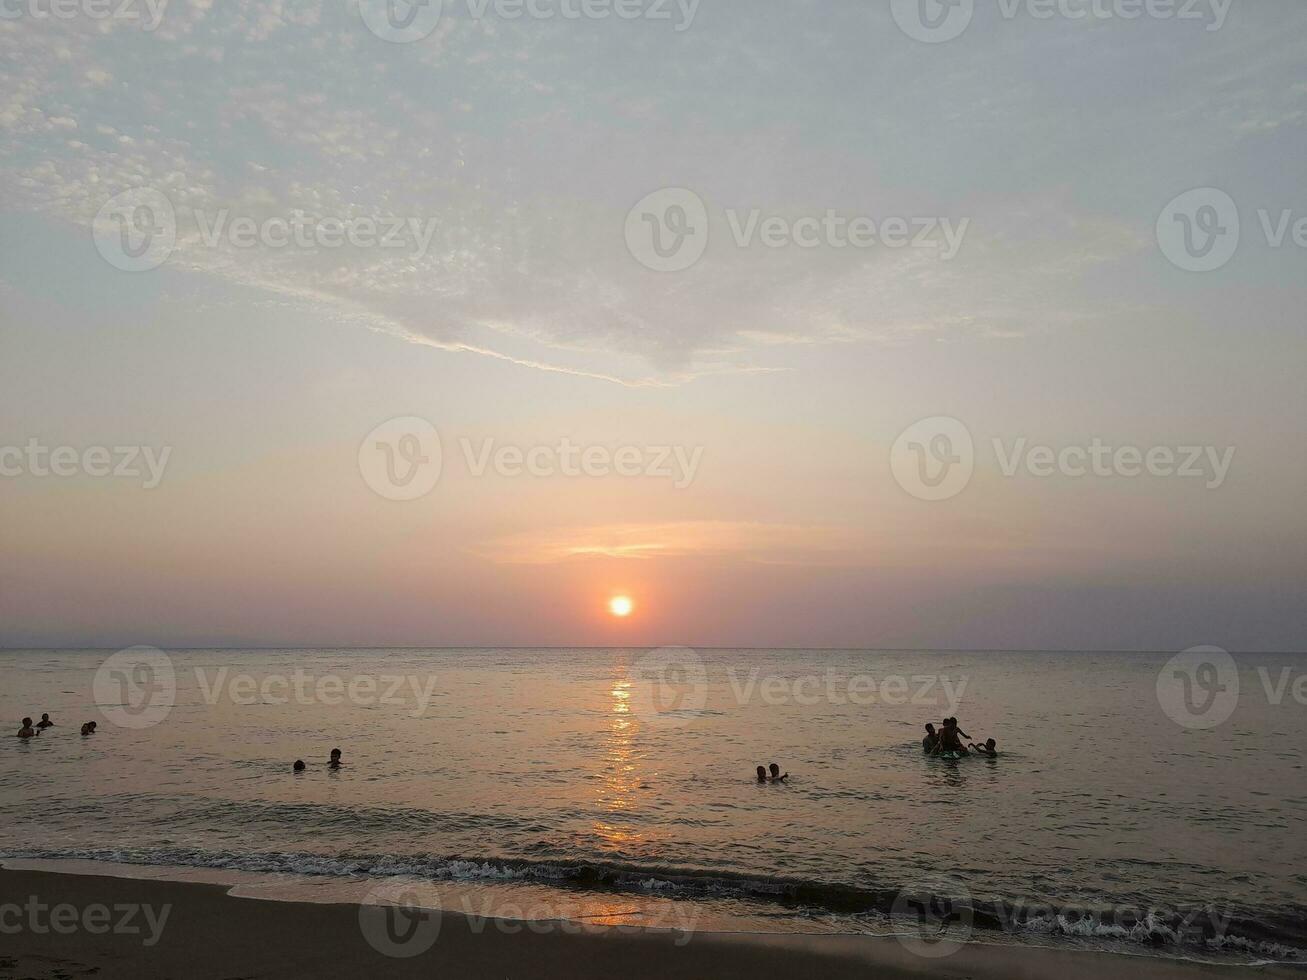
column 813, row 649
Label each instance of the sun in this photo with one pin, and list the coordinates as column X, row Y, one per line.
column 620, row 605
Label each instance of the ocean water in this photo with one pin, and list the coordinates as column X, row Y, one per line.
column 1134, row 806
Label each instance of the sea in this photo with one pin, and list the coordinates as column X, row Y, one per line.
column 1143, row 804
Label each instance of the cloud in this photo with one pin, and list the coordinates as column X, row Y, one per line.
column 767, row 543
column 524, row 145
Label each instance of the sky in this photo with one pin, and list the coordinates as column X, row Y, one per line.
column 891, row 324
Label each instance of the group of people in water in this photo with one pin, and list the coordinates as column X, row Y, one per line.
column 949, row 739
column 775, row 776
column 332, row 763
column 30, row 730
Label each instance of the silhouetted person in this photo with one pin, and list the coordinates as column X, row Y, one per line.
column 776, row 776
column 299, row 765
column 762, row 774
column 987, row 749
column 335, row 759
column 931, row 740
column 948, row 738
column 44, row 723
column 27, row 731
column 88, row 728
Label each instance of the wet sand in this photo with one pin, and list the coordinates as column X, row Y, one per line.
column 200, row 931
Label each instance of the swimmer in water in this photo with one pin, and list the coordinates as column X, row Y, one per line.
column 88, row 728
column 762, row 774
column 335, row 759
column 948, row 739
column 27, row 731
column 776, row 776
column 987, row 749
column 299, row 765
column 931, row 740
column 44, row 723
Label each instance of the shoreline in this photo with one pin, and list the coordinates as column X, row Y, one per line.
column 155, row 927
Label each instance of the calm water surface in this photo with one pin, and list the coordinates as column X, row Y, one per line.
column 1104, row 822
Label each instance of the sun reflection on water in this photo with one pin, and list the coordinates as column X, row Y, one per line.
column 621, row 776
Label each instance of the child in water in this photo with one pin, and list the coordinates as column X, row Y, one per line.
column 27, row 731
column 335, row 759
column 931, row 740
column 776, row 776
column 762, row 774
column 299, row 765
column 88, row 728
column 986, row 749
column 44, row 723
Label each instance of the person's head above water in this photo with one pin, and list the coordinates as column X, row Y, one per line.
column 299, row 765
column 45, row 717
column 335, row 753
column 990, row 743
column 930, row 728
column 762, row 774
column 27, row 722
column 775, row 769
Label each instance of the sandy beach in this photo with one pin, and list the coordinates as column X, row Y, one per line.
column 117, row 927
